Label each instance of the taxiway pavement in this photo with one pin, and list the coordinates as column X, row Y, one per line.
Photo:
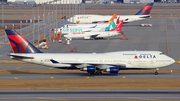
column 135, row 94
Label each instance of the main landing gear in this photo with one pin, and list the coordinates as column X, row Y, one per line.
column 156, row 73
column 98, row 72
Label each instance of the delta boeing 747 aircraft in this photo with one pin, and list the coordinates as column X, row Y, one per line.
column 93, row 63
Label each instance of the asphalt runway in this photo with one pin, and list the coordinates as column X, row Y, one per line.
column 90, row 94
column 84, row 75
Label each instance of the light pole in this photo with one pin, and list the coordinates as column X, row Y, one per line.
column 30, row 25
column 60, row 12
column 2, row 13
column 13, row 26
column 33, row 20
column 49, row 26
column 26, row 26
column 44, row 24
column 66, row 11
column 75, row 7
column 84, row 8
column 38, row 25
column 33, row 29
column 56, row 17
column 38, row 30
column 73, row 10
column 69, row 11
column 20, row 28
column 44, row 20
column 49, row 22
column 63, row 12
column 79, row 7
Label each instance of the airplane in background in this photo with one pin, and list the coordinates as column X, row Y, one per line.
column 93, row 63
column 144, row 13
column 102, row 34
column 91, row 25
column 101, row 27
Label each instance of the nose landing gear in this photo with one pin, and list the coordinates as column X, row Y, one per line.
column 156, row 73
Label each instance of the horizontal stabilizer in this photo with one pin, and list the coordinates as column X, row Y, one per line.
column 53, row 61
column 21, row 57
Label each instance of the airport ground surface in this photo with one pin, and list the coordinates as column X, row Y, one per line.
column 162, row 36
column 97, row 95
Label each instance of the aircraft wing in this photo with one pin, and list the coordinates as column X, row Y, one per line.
column 94, row 35
column 94, row 64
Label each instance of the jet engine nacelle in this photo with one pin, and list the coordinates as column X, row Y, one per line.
column 87, row 37
column 112, row 69
column 89, row 69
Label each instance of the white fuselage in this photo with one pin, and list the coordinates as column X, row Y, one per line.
column 89, row 35
column 123, row 59
column 78, row 29
column 98, row 25
column 105, row 18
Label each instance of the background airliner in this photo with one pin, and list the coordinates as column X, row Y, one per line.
column 87, row 28
column 140, row 15
column 93, row 63
column 96, row 34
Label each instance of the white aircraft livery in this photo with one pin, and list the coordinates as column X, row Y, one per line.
column 144, row 13
column 93, row 63
column 99, row 34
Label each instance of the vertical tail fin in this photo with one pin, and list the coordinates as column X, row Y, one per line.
column 112, row 25
column 19, row 43
column 145, row 10
column 118, row 27
column 114, row 16
column 117, row 21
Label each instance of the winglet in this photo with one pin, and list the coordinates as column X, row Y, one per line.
column 53, row 61
column 114, row 16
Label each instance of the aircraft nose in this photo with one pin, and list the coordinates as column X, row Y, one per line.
column 65, row 36
column 172, row 60
column 68, row 19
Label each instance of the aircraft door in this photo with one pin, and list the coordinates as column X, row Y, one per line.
column 151, row 61
column 100, row 60
column 77, row 60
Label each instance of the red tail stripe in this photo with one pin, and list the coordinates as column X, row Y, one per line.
column 16, row 38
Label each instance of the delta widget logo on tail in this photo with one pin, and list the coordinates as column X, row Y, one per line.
column 145, row 10
column 19, row 43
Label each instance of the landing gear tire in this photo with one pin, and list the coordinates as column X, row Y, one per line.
column 156, row 73
column 90, row 73
column 99, row 73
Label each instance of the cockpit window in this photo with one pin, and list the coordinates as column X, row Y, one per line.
column 161, row 53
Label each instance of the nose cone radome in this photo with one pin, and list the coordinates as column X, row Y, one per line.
column 68, row 19
column 172, row 61
column 65, row 36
